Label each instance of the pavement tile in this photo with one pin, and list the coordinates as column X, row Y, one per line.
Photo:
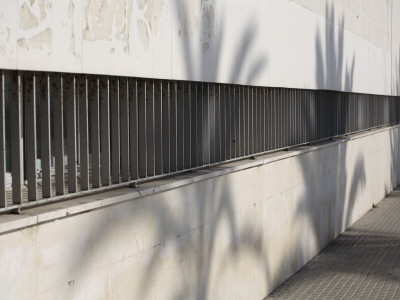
column 362, row 263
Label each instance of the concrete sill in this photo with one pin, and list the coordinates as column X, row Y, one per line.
column 58, row 210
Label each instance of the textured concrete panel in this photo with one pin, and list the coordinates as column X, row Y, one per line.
column 8, row 35
column 49, row 35
column 338, row 45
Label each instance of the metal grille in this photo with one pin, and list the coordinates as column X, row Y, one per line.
column 65, row 135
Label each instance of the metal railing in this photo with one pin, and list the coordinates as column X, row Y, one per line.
column 65, row 135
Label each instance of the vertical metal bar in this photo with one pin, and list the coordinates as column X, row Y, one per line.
column 206, row 123
column 193, row 123
column 268, row 122
column 3, row 196
column 332, row 112
column 352, row 113
column 272, row 115
column 273, row 118
column 339, row 119
column 266, row 119
column 150, row 127
column 228, row 137
column 237, row 98
column 199, row 123
column 300, row 119
column 304, row 113
column 165, row 126
column 321, row 115
column 45, row 135
column 255, row 120
column 250, row 122
column 302, row 100
column 246, row 133
column 233, row 120
column 95, row 129
column 293, row 118
column 70, row 101
column 187, row 116
column 286, row 119
column 242, row 136
column 310, row 118
column 263, row 119
column 327, row 119
column 83, row 132
column 370, row 115
column 260, row 119
column 16, row 86
column 211, row 122
column 223, row 121
column 247, row 119
column 283, row 107
column 180, row 125
column 133, row 129
column 158, row 130
column 104, row 86
column 115, row 130
column 173, row 129
column 279, row 120
column 217, row 118
column 30, row 130
column 314, row 106
column 142, row 127
column 57, row 93
column 124, row 125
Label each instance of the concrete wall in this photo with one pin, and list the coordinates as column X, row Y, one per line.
column 314, row 44
column 233, row 232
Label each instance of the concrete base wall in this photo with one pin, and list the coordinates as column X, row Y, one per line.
column 235, row 235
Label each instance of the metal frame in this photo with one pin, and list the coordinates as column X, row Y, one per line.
column 112, row 131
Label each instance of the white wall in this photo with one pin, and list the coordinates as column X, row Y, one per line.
column 338, row 45
column 233, row 236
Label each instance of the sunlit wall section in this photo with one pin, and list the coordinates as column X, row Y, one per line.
column 335, row 45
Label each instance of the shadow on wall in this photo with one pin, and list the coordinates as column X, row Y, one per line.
column 204, row 65
column 210, row 221
column 334, row 211
column 192, row 225
column 322, row 219
column 397, row 76
column 394, row 137
column 191, row 229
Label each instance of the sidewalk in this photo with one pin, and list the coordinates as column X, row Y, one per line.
column 362, row 263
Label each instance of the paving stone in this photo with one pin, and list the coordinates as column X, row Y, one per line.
column 362, row 263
